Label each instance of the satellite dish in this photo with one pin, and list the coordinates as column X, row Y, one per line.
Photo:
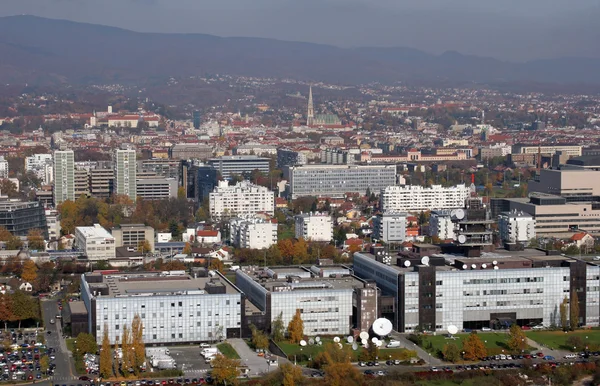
column 495, row 262
column 340, row 345
column 364, row 335
column 302, row 343
column 452, row 329
column 379, row 343
column 460, row 214
column 465, row 266
column 484, row 266
column 318, row 339
column 311, row 341
column 453, row 213
column 374, row 339
column 354, row 346
column 336, row 339
column 425, row 260
column 496, row 267
column 462, row 239
column 350, row 339
column 382, row 327
column 407, row 263
column 320, row 343
column 364, row 342
column 473, row 266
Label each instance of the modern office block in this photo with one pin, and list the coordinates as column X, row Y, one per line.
column 20, row 217
column 240, row 165
column 95, row 242
column 131, row 235
column 390, row 227
column 288, row 157
column 156, row 188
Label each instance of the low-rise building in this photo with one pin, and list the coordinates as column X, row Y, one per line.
column 390, row 227
column 132, row 235
column 516, row 227
column 254, row 233
column 156, row 188
column 95, row 242
column 314, row 226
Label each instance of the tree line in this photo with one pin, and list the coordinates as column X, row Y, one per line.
column 128, row 359
column 18, row 307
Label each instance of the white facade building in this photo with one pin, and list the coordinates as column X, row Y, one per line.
column 243, row 199
column 516, row 227
column 441, row 225
column 390, row 227
column 64, row 176
column 3, row 168
column 173, row 306
column 314, row 226
column 124, row 162
column 411, row 198
column 95, row 242
column 253, row 233
column 41, row 166
column 53, row 223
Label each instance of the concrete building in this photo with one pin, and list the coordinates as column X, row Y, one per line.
column 441, row 225
column 240, row 200
column 337, row 157
column 52, row 224
column 41, row 165
column 101, row 182
column 411, row 198
column 204, row 181
column 288, row 157
column 571, row 150
column 3, row 168
column 19, row 217
column 325, row 296
column 240, row 165
column 337, row 180
column 499, row 150
column 95, row 242
column 254, row 233
column 173, row 306
column 255, row 149
column 480, row 292
column 314, row 226
column 191, row 151
column 161, row 167
column 64, row 176
column 390, row 227
column 156, row 188
column 131, row 235
column 82, row 182
column 125, row 173
column 516, row 227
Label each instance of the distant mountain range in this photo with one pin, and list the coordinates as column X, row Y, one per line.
column 39, row 50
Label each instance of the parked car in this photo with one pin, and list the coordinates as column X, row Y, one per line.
column 486, row 329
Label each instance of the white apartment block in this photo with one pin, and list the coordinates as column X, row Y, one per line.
column 64, row 176
column 124, row 162
column 241, row 200
column 314, row 226
column 53, row 224
column 412, row 198
column 441, row 225
column 41, row 166
column 95, row 242
column 3, row 168
column 516, row 227
column 253, row 233
column 390, row 227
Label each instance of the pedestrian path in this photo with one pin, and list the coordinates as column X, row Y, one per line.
column 197, row 371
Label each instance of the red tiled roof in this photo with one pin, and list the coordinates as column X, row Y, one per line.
column 207, row 233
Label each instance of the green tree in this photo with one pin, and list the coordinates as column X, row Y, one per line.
column 296, row 328
column 86, row 344
column 278, row 329
column 106, row 359
column 225, row 371
column 451, row 352
column 144, row 246
column 575, row 342
column 474, row 348
column 260, row 340
column 6, row 307
column 14, row 243
column 24, row 307
column 564, row 319
column 517, row 340
column 44, row 363
column 574, row 311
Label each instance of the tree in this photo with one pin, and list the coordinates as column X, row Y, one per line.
column 224, row 370
column 35, row 240
column 4, row 234
column 144, row 246
column 29, row 273
column 187, row 249
column 126, row 351
column 216, row 265
column 564, row 321
column 106, row 362
column 296, row 328
column 86, row 344
column 342, row 374
column 14, row 243
column 44, row 363
column 260, row 340
column 24, row 307
column 474, row 348
column 576, row 342
column 574, row 311
column 6, row 307
column 137, row 343
column 517, row 340
column 278, row 329
column 291, row 374
column 451, row 352
column 300, row 252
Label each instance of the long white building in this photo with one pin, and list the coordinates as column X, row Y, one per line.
column 95, row 242
column 41, row 166
column 314, row 226
column 252, row 233
column 411, row 198
column 516, row 227
column 241, row 200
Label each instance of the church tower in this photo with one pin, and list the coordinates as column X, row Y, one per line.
column 310, row 114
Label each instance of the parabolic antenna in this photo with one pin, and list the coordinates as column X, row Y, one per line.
column 317, row 339
column 320, row 343
column 495, row 262
column 453, row 213
column 382, row 326
column 340, row 345
column 459, row 214
column 425, row 260
column 462, row 239
column 302, row 343
column 484, row 266
column 374, row 339
column 496, row 267
column 311, row 341
column 465, row 266
column 364, row 335
column 354, row 346
column 407, row 263
column 350, row 339
column 452, row 329
column 336, row 339
column 473, row 266
column 379, row 343
column 364, row 342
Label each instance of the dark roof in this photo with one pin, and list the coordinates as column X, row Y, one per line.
column 586, row 160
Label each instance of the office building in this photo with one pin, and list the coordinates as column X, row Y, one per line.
column 255, row 149
column 441, row 225
column 205, row 179
column 239, row 165
column 337, row 157
column 82, row 182
column 19, row 217
column 288, row 157
column 196, row 119
column 40, row 165
column 494, row 151
column 173, row 306
column 101, row 182
column 412, row 198
column 156, row 188
column 161, row 167
column 516, row 227
column 571, row 150
column 314, row 226
column 95, row 242
column 186, row 151
column 325, row 296
column 390, row 227
column 64, row 176
column 253, row 233
column 241, row 200
column 446, row 290
column 338, row 180
column 125, row 173
column 131, row 235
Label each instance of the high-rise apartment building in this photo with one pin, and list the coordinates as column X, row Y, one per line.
column 240, row 200
column 3, row 167
column 412, row 198
column 64, row 176
column 196, row 119
column 314, row 226
column 125, row 173
column 41, row 166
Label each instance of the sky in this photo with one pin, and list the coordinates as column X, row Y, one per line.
column 514, row 30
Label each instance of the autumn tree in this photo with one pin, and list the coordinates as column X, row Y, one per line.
column 14, row 243
column 29, row 273
column 106, row 362
column 260, row 340
column 292, row 375
column 300, row 252
column 137, row 343
column 574, row 311
column 144, row 246
column 576, row 342
column 564, row 319
column 517, row 340
column 35, row 240
column 126, row 351
column 86, row 344
column 44, row 363
column 216, row 265
column 225, row 370
column 296, row 328
column 4, row 234
column 474, row 348
column 187, row 249
column 24, row 307
column 336, row 363
column 451, row 352
column 6, row 307
column 278, row 329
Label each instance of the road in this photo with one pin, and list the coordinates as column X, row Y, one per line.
column 64, row 372
column 257, row 365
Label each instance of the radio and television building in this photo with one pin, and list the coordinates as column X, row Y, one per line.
column 331, row 300
column 243, row 199
column 173, row 306
column 411, row 198
column 337, row 180
column 526, row 287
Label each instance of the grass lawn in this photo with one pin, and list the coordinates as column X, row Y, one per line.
column 447, row 382
column 558, row 339
column 226, row 349
column 79, row 366
column 495, row 342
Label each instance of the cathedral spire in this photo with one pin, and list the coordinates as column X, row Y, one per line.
column 310, row 114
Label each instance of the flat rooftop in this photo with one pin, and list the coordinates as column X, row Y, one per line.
column 303, row 278
column 77, row 307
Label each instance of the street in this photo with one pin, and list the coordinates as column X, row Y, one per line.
column 64, row 372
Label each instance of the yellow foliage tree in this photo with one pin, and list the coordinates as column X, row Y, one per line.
column 106, row 363
column 517, row 341
column 474, row 348
column 29, row 273
column 225, row 370
column 296, row 328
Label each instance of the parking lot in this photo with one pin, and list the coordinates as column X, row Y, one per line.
column 22, row 361
column 188, row 359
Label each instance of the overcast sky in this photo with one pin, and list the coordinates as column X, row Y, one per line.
column 506, row 29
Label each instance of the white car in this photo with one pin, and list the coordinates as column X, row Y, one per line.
column 204, row 345
column 538, row 327
column 570, row 356
column 486, row 329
